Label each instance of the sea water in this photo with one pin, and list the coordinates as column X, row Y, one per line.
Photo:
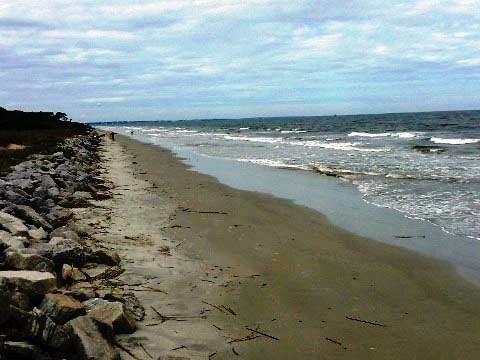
column 424, row 165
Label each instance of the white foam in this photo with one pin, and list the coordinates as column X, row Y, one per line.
column 273, row 163
column 460, row 141
column 254, row 139
column 401, row 135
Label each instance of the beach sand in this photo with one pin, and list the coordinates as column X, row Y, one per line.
column 277, row 268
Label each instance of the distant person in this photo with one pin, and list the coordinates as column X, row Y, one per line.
column 112, row 135
column 131, row 132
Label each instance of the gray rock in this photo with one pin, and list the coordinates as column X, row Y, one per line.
column 89, row 343
column 37, row 234
column 20, row 300
column 61, row 308
column 67, row 251
column 28, row 215
column 58, row 216
column 79, row 199
column 5, row 298
column 7, row 240
column 12, row 224
column 107, row 257
column 30, row 282
column 65, row 232
column 113, row 318
column 26, row 185
column 39, row 328
column 41, row 248
column 71, row 274
column 21, row 260
column 23, row 350
column 90, row 304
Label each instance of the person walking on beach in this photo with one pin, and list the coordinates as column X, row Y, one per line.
column 112, row 135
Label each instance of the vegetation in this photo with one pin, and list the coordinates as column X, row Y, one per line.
column 26, row 133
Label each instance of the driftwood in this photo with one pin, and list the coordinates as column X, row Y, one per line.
column 365, row 321
column 246, row 338
column 146, row 352
column 262, row 333
column 180, row 347
column 333, row 341
column 164, row 318
column 128, row 351
column 216, row 307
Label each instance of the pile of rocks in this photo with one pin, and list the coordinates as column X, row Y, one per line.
column 43, row 256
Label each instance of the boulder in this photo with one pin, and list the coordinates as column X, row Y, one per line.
column 71, row 274
column 67, row 251
column 58, row 216
column 5, row 298
column 95, row 271
column 37, row 234
column 12, row 224
column 23, row 260
column 20, row 300
column 39, row 328
column 90, row 304
column 41, row 248
column 65, row 232
column 79, row 199
column 30, row 216
column 22, row 350
column 89, row 343
column 7, row 240
column 30, row 282
column 113, row 318
column 61, row 308
column 106, row 257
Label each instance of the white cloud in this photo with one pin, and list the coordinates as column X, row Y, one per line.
column 469, row 62
column 101, row 100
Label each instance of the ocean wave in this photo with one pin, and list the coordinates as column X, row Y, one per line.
column 343, row 146
column 458, row 141
column 294, row 131
column 274, row 163
column 254, row 139
column 401, row 135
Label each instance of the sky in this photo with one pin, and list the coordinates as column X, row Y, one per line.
column 178, row 59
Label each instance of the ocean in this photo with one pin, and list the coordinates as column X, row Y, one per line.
column 424, row 165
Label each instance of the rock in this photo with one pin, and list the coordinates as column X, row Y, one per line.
column 30, row 216
column 72, row 274
column 13, row 225
column 26, row 185
column 58, row 216
column 30, row 282
column 41, row 248
column 90, row 304
column 132, row 304
column 101, row 256
column 39, row 328
column 22, row 350
column 65, row 232
column 79, row 199
column 113, row 318
column 5, row 298
column 67, row 251
column 27, row 261
column 37, row 234
column 169, row 357
column 20, row 300
column 61, row 308
column 7, row 240
column 94, row 271
column 89, row 343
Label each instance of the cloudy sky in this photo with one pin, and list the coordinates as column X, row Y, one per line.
column 179, row 59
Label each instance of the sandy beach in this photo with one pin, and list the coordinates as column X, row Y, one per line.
column 242, row 274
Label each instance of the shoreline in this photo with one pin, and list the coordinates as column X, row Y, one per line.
column 286, row 262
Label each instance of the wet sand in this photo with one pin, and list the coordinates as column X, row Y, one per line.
column 278, row 268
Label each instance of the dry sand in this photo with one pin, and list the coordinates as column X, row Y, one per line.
column 278, row 268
